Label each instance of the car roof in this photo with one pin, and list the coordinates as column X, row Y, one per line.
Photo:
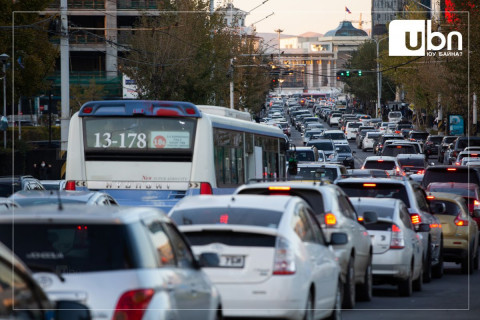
column 411, row 155
column 63, row 194
column 277, row 203
column 372, row 180
column 318, row 165
column 80, row 213
column 445, row 196
column 388, row 158
column 453, row 185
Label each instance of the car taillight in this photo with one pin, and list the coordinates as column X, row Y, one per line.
column 284, row 260
column 397, row 241
column 132, row 304
column 416, row 219
column 421, row 172
column 429, row 142
column 460, row 222
column 205, row 188
column 330, row 219
column 70, row 185
column 476, row 203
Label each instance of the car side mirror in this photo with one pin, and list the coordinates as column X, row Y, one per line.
column 71, row 310
column 338, row 238
column 476, row 213
column 422, row 227
column 438, row 208
column 209, row 260
column 370, row 217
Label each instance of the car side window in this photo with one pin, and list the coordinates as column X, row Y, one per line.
column 184, row 256
column 301, row 224
column 422, row 202
column 405, row 217
column 316, row 229
column 346, row 207
column 162, row 244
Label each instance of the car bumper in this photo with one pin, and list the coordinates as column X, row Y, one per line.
column 279, row 297
column 392, row 264
column 455, row 249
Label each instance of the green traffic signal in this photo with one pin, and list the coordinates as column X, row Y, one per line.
column 359, row 73
column 347, row 73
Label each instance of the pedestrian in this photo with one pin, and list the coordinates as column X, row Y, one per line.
column 44, row 171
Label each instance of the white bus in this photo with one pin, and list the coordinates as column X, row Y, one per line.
column 156, row 152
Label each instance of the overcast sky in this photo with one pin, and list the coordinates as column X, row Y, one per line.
column 299, row 16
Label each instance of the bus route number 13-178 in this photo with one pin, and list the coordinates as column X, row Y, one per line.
column 123, row 140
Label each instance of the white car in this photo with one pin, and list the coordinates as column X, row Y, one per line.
column 335, row 117
column 395, row 116
column 121, row 262
column 351, row 129
column 337, row 136
column 274, row 259
column 397, row 249
column 389, row 164
column 369, row 140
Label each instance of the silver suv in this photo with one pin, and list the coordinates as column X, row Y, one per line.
column 122, row 262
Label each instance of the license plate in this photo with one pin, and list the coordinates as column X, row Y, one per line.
column 232, row 261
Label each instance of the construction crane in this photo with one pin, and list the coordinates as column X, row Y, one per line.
column 360, row 21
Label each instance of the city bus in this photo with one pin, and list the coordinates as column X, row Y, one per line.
column 155, row 153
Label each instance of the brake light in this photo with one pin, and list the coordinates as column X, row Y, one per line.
column 380, row 160
column 430, row 197
column 416, row 219
column 330, row 219
column 451, row 169
column 460, row 222
column 132, row 304
column 87, row 110
column 421, row 172
column 476, row 203
column 369, row 184
column 205, row 188
column 70, row 185
column 284, row 260
column 279, row 188
column 457, row 163
column 397, row 241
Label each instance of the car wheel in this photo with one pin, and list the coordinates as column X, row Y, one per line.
column 349, row 286
column 417, row 283
column 219, row 314
column 337, row 308
column 437, row 270
column 405, row 286
column 309, row 308
column 427, row 266
column 365, row 290
column 468, row 263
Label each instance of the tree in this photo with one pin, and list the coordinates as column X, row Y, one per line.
column 186, row 55
column 80, row 94
column 34, row 54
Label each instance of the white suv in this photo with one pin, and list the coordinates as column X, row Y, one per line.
column 122, row 262
column 394, row 116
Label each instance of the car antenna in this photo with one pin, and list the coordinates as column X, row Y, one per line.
column 60, row 206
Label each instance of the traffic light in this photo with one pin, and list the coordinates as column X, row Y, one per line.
column 359, row 73
column 347, row 73
column 340, row 75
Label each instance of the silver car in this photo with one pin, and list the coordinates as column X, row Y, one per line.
column 121, row 262
column 37, row 197
column 397, row 249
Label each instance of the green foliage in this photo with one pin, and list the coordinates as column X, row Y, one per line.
column 186, row 56
column 80, row 94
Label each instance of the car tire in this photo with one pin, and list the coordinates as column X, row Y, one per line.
column 405, row 288
column 337, row 308
column 364, row 290
column 219, row 314
column 309, row 308
column 468, row 263
column 349, row 286
column 437, row 270
column 417, row 283
column 427, row 266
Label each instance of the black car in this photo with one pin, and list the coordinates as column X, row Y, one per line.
column 345, row 155
column 431, row 145
column 446, row 141
column 12, row 184
column 460, row 144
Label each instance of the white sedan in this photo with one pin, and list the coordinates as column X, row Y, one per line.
column 274, row 259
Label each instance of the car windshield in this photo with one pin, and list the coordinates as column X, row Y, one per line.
column 436, row 139
column 395, row 115
column 314, row 173
column 76, row 247
column 230, row 216
column 375, row 190
column 379, row 164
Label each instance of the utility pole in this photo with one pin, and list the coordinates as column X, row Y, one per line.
column 278, row 31
column 231, row 83
column 64, row 74
column 379, row 78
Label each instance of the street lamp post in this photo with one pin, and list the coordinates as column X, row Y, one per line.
column 3, row 58
column 379, row 77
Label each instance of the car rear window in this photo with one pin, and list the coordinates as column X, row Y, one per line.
column 436, row 139
column 411, row 162
column 394, row 150
column 395, row 115
column 305, row 155
column 463, row 143
column 375, row 190
column 419, row 135
column 6, row 189
column 312, row 197
column 464, row 192
column 354, row 125
column 375, row 164
column 70, row 247
column 382, row 212
column 314, row 173
column 334, row 136
column 450, row 174
column 236, row 216
column 451, row 208
column 325, row 146
column 230, row 238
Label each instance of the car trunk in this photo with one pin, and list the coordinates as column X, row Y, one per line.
column 380, row 236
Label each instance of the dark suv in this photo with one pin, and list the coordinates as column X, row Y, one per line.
column 11, row 184
column 460, row 144
column 431, row 145
column 441, row 173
